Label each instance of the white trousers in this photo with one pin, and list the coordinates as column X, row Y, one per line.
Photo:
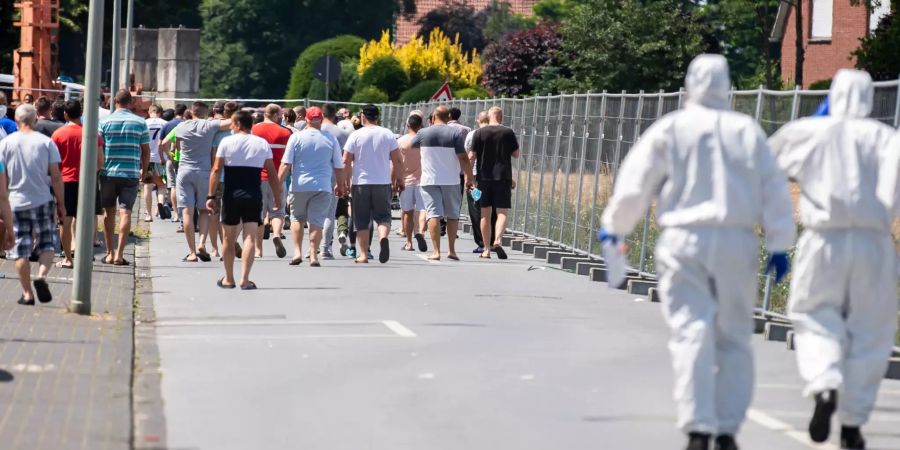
column 844, row 308
column 708, row 286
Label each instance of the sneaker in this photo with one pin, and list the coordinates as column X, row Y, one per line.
column 698, row 441
column 725, row 442
column 350, row 253
column 851, row 438
column 478, row 250
column 180, row 229
column 326, row 254
column 370, row 255
column 344, row 249
column 820, row 424
column 342, row 238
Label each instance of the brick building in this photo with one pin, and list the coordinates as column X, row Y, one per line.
column 406, row 29
column 831, row 32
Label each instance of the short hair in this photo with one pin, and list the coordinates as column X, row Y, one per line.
column 371, row 112
column 155, row 109
column 2, row 98
column 455, row 113
column 290, row 116
column 244, row 120
column 43, row 105
column 329, row 111
column 229, row 108
column 199, row 110
column 414, row 122
column 483, row 117
column 272, row 110
column 26, row 114
column 496, row 112
column 58, row 109
column 257, row 117
column 168, row 114
column 301, row 112
column 123, row 97
column 218, row 107
column 442, row 113
column 73, row 109
column 188, row 115
column 180, row 108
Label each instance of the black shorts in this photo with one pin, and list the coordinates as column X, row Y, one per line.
column 496, row 194
column 241, row 210
column 70, row 197
column 118, row 192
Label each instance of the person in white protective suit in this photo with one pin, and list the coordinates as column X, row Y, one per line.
column 715, row 181
column 843, row 296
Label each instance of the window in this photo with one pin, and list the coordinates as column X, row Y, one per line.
column 821, row 19
column 879, row 12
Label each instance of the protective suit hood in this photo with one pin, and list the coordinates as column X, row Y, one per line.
column 852, row 94
column 707, row 82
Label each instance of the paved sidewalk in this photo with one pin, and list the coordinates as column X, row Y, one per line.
column 66, row 379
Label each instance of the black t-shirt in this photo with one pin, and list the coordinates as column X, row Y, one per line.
column 493, row 146
column 47, row 127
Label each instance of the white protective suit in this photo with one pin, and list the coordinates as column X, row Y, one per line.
column 716, row 181
column 843, row 299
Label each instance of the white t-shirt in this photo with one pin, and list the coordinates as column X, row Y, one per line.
column 155, row 126
column 371, row 147
column 27, row 157
column 244, row 150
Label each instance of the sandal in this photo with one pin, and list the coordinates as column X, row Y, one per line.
column 121, row 262
column 385, row 253
column 296, row 262
column 42, row 289
column 500, row 252
column 315, row 264
column 63, row 265
column 29, row 302
column 204, row 256
column 249, row 286
column 185, row 259
column 107, row 261
column 453, row 257
column 221, row 283
column 482, row 256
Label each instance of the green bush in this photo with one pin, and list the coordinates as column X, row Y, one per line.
column 472, row 92
column 369, row 94
column 821, row 85
column 345, row 47
column 420, row 92
column 342, row 90
column 386, row 74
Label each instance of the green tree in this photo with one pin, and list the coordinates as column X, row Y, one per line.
column 500, row 20
column 630, row 44
column 344, row 47
column 455, row 18
column 369, row 94
column 386, row 74
column 340, row 91
column 877, row 54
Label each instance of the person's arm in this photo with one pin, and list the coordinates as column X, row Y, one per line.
column 224, row 124
column 145, row 159
column 283, row 171
column 348, row 168
column 214, row 175
column 274, row 183
column 338, row 163
column 464, row 164
column 396, row 173
column 58, row 190
column 778, row 211
column 6, row 213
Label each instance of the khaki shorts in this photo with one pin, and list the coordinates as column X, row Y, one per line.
column 268, row 202
column 311, row 207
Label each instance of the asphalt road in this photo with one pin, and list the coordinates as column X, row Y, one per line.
column 476, row 355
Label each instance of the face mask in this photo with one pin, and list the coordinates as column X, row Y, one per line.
column 2, row 111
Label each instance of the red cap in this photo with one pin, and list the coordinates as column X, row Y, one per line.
column 314, row 113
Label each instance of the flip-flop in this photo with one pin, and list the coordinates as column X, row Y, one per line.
column 107, row 261
column 123, row 262
column 280, row 251
column 434, row 258
column 249, row 286
column 500, row 252
column 296, row 262
column 42, row 289
column 358, row 261
column 221, row 283
column 484, row 257
column 22, row 301
column 453, row 257
column 204, row 256
column 315, row 264
column 185, row 259
column 420, row 239
column 385, row 253
column 63, row 265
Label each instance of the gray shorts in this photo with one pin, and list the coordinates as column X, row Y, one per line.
column 311, row 207
column 371, row 202
column 268, row 201
column 171, row 173
column 118, row 192
column 442, row 201
column 192, row 187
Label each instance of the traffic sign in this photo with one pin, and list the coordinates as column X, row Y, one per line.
column 327, row 69
column 443, row 94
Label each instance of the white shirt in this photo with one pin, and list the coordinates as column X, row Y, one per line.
column 371, row 147
column 244, row 150
column 155, row 126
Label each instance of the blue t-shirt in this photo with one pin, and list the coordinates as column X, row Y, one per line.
column 9, row 125
column 313, row 156
column 123, row 134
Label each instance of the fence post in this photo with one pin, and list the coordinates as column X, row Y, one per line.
column 581, row 161
column 568, row 170
column 530, row 164
column 897, row 106
column 537, row 219
column 619, row 137
column 646, row 230
column 759, row 97
column 555, row 162
column 795, row 103
column 515, row 210
column 593, row 225
column 680, row 97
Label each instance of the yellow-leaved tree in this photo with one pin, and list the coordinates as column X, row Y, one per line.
column 439, row 58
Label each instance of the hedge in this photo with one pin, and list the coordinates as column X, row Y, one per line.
column 345, row 47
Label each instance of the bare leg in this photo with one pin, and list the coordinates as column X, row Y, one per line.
column 260, row 230
column 297, row 237
column 277, row 226
column 124, row 229
column 174, row 200
column 434, row 227
column 187, row 217
column 231, row 233
column 362, row 240
column 214, row 233
column 409, row 226
column 203, row 219
column 45, row 261
column 486, row 230
column 109, row 228
column 500, row 229
column 23, row 268
column 452, row 226
column 315, row 238
column 247, row 260
column 66, row 232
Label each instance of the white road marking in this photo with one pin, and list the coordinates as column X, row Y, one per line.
column 798, row 388
column 398, row 328
column 876, row 417
column 245, row 337
column 247, row 323
column 426, row 376
column 527, row 377
column 766, row 421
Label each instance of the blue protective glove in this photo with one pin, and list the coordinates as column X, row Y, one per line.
column 780, row 264
column 604, row 236
column 824, row 108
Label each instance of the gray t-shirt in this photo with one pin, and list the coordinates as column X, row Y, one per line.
column 339, row 133
column 441, row 145
column 47, row 127
column 197, row 138
column 27, row 157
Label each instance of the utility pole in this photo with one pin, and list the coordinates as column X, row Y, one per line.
column 129, row 40
column 87, row 187
column 114, row 78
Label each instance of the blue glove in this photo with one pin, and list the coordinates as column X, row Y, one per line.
column 824, row 108
column 780, row 264
column 604, row 236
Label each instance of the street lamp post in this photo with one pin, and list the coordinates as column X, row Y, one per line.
column 87, row 186
column 129, row 40
column 114, row 78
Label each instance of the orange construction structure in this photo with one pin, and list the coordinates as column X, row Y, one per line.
column 35, row 62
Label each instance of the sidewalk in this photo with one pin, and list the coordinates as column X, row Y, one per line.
column 65, row 379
